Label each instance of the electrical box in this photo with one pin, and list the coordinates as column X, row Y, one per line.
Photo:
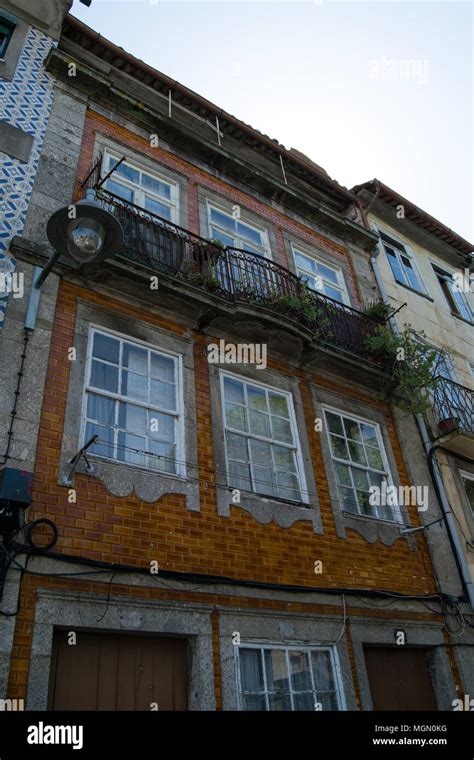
column 16, row 488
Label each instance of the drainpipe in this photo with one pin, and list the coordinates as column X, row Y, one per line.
column 433, row 465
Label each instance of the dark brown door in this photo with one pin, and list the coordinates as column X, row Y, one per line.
column 105, row 671
column 399, row 679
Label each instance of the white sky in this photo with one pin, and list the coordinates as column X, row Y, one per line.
column 365, row 89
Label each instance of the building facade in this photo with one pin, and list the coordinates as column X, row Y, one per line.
column 216, row 548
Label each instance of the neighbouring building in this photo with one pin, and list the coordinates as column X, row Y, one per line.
column 217, row 548
column 425, row 273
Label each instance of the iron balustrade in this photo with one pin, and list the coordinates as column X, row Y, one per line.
column 237, row 274
column 453, row 401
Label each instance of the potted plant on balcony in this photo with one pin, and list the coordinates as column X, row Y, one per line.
column 448, row 425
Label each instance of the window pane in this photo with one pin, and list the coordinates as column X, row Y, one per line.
column 132, row 418
column 105, row 445
column 121, row 190
column 163, row 395
column 165, row 459
column 248, row 233
column 237, row 447
column 304, row 701
column 135, row 358
column 106, row 348
column 223, row 220
column 339, row 447
column 101, row 409
column 306, row 262
column 104, row 376
column 278, row 405
column 328, row 701
column 300, row 675
column 239, row 476
column 410, row 273
column 374, row 458
column 233, row 390
column 254, row 702
column 236, row 416
column 279, row 702
column 284, row 458
column 125, row 170
column 162, row 367
column 251, row 672
column 282, row 430
column 397, row 271
column 352, row 429
column 160, row 209
column 135, row 386
column 349, row 501
column 156, row 186
column 369, row 434
column 260, row 452
column 333, row 293
column 259, row 423
column 257, row 398
column 334, row 423
column 343, row 474
column 322, row 671
column 327, row 273
column 361, row 481
column 216, row 234
column 356, row 450
column 127, row 442
column 276, row 670
column 264, row 480
column 288, row 486
column 162, row 427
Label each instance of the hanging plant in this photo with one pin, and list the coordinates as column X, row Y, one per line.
column 411, row 363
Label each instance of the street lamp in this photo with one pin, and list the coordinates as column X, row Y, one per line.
column 94, row 234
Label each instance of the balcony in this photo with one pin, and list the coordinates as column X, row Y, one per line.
column 453, row 410
column 263, row 290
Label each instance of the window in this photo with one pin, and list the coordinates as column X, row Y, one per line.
column 320, row 276
column 143, row 188
column 261, row 441
column 287, row 678
column 7, row 28
column 235, row 233
column 402, row 264
column 359, row 463
column 468, row 483
column 471, row 368
column 133, row 403
column 455, row 297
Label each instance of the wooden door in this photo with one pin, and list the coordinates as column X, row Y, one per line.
column 399, row 678
column 105, row 671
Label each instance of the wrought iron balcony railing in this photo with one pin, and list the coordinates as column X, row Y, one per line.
column 237, row 275
column 453, row 406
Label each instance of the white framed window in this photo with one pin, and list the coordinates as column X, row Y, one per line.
column 236, row 233
column 467, row 479
column 321, row 276
column 133, row 401
column 360, row 462
column 142, row 187
column 282, row 677
column 402, row 264
column 261, row 440
column 455, row 298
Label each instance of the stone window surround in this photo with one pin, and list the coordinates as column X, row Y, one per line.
column 464, row 468
column 81, row 611
column 372, row 529
column 9, row 63
column 418, row 634
column 264, row 509
column 206, row 195
column 121, row 479
column 102, row 143
column 260, row 626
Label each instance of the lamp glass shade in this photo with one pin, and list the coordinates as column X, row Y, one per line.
column 85, row 239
